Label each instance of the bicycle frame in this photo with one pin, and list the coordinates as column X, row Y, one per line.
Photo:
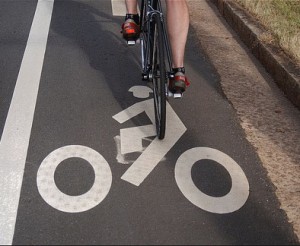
column 149, row 8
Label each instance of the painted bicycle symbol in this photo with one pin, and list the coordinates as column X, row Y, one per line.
column 130, row 140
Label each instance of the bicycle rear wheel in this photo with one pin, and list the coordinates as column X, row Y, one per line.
column 159, row 76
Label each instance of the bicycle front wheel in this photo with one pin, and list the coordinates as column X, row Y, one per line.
column 159, row 76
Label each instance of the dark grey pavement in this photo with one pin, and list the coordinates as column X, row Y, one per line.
column 87, row 72
column 15, row 23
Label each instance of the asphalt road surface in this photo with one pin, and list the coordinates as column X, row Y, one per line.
column 79, row 161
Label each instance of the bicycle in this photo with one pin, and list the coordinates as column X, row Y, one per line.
column 156, row 58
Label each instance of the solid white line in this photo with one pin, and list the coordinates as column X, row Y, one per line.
column 118, row 7
column 17, row 130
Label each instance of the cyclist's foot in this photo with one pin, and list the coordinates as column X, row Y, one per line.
column 179, row 82
column 130, row 29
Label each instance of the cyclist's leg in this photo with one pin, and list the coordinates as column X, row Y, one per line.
column 130, row 27
column 178, row 26
column 131, row 6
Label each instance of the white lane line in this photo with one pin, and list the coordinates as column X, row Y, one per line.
column 17, row 129
column 118, row 7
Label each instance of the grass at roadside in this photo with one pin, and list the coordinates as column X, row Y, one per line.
column 282, row 19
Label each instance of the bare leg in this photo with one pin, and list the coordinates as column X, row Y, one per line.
column 131, row 6
column 178, row 25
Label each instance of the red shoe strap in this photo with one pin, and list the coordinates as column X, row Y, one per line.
column 187, row 82
column 182, row 78
column 130, row 25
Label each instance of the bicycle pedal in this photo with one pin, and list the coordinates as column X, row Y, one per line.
column 177, row 95
column 131, row 42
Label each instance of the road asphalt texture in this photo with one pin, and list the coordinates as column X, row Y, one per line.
column 262, row 85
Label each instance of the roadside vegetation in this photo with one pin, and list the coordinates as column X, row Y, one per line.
column 282, row 19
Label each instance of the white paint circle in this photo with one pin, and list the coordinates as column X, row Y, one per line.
column 232, row 201
column 74, row 204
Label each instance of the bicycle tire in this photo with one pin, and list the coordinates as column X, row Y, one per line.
column 159, row 76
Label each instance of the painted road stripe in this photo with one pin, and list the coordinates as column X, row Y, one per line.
column 118, row 7
column 17, row 130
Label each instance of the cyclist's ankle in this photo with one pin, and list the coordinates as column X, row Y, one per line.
column 179, row 70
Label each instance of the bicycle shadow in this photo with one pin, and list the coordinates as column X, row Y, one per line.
column 98, row 35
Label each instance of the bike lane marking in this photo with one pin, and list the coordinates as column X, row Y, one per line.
column 130, row 140
column 16, row 133
column 228, row 203
column 156, row 151
column 118, row 7
column 74, row 204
